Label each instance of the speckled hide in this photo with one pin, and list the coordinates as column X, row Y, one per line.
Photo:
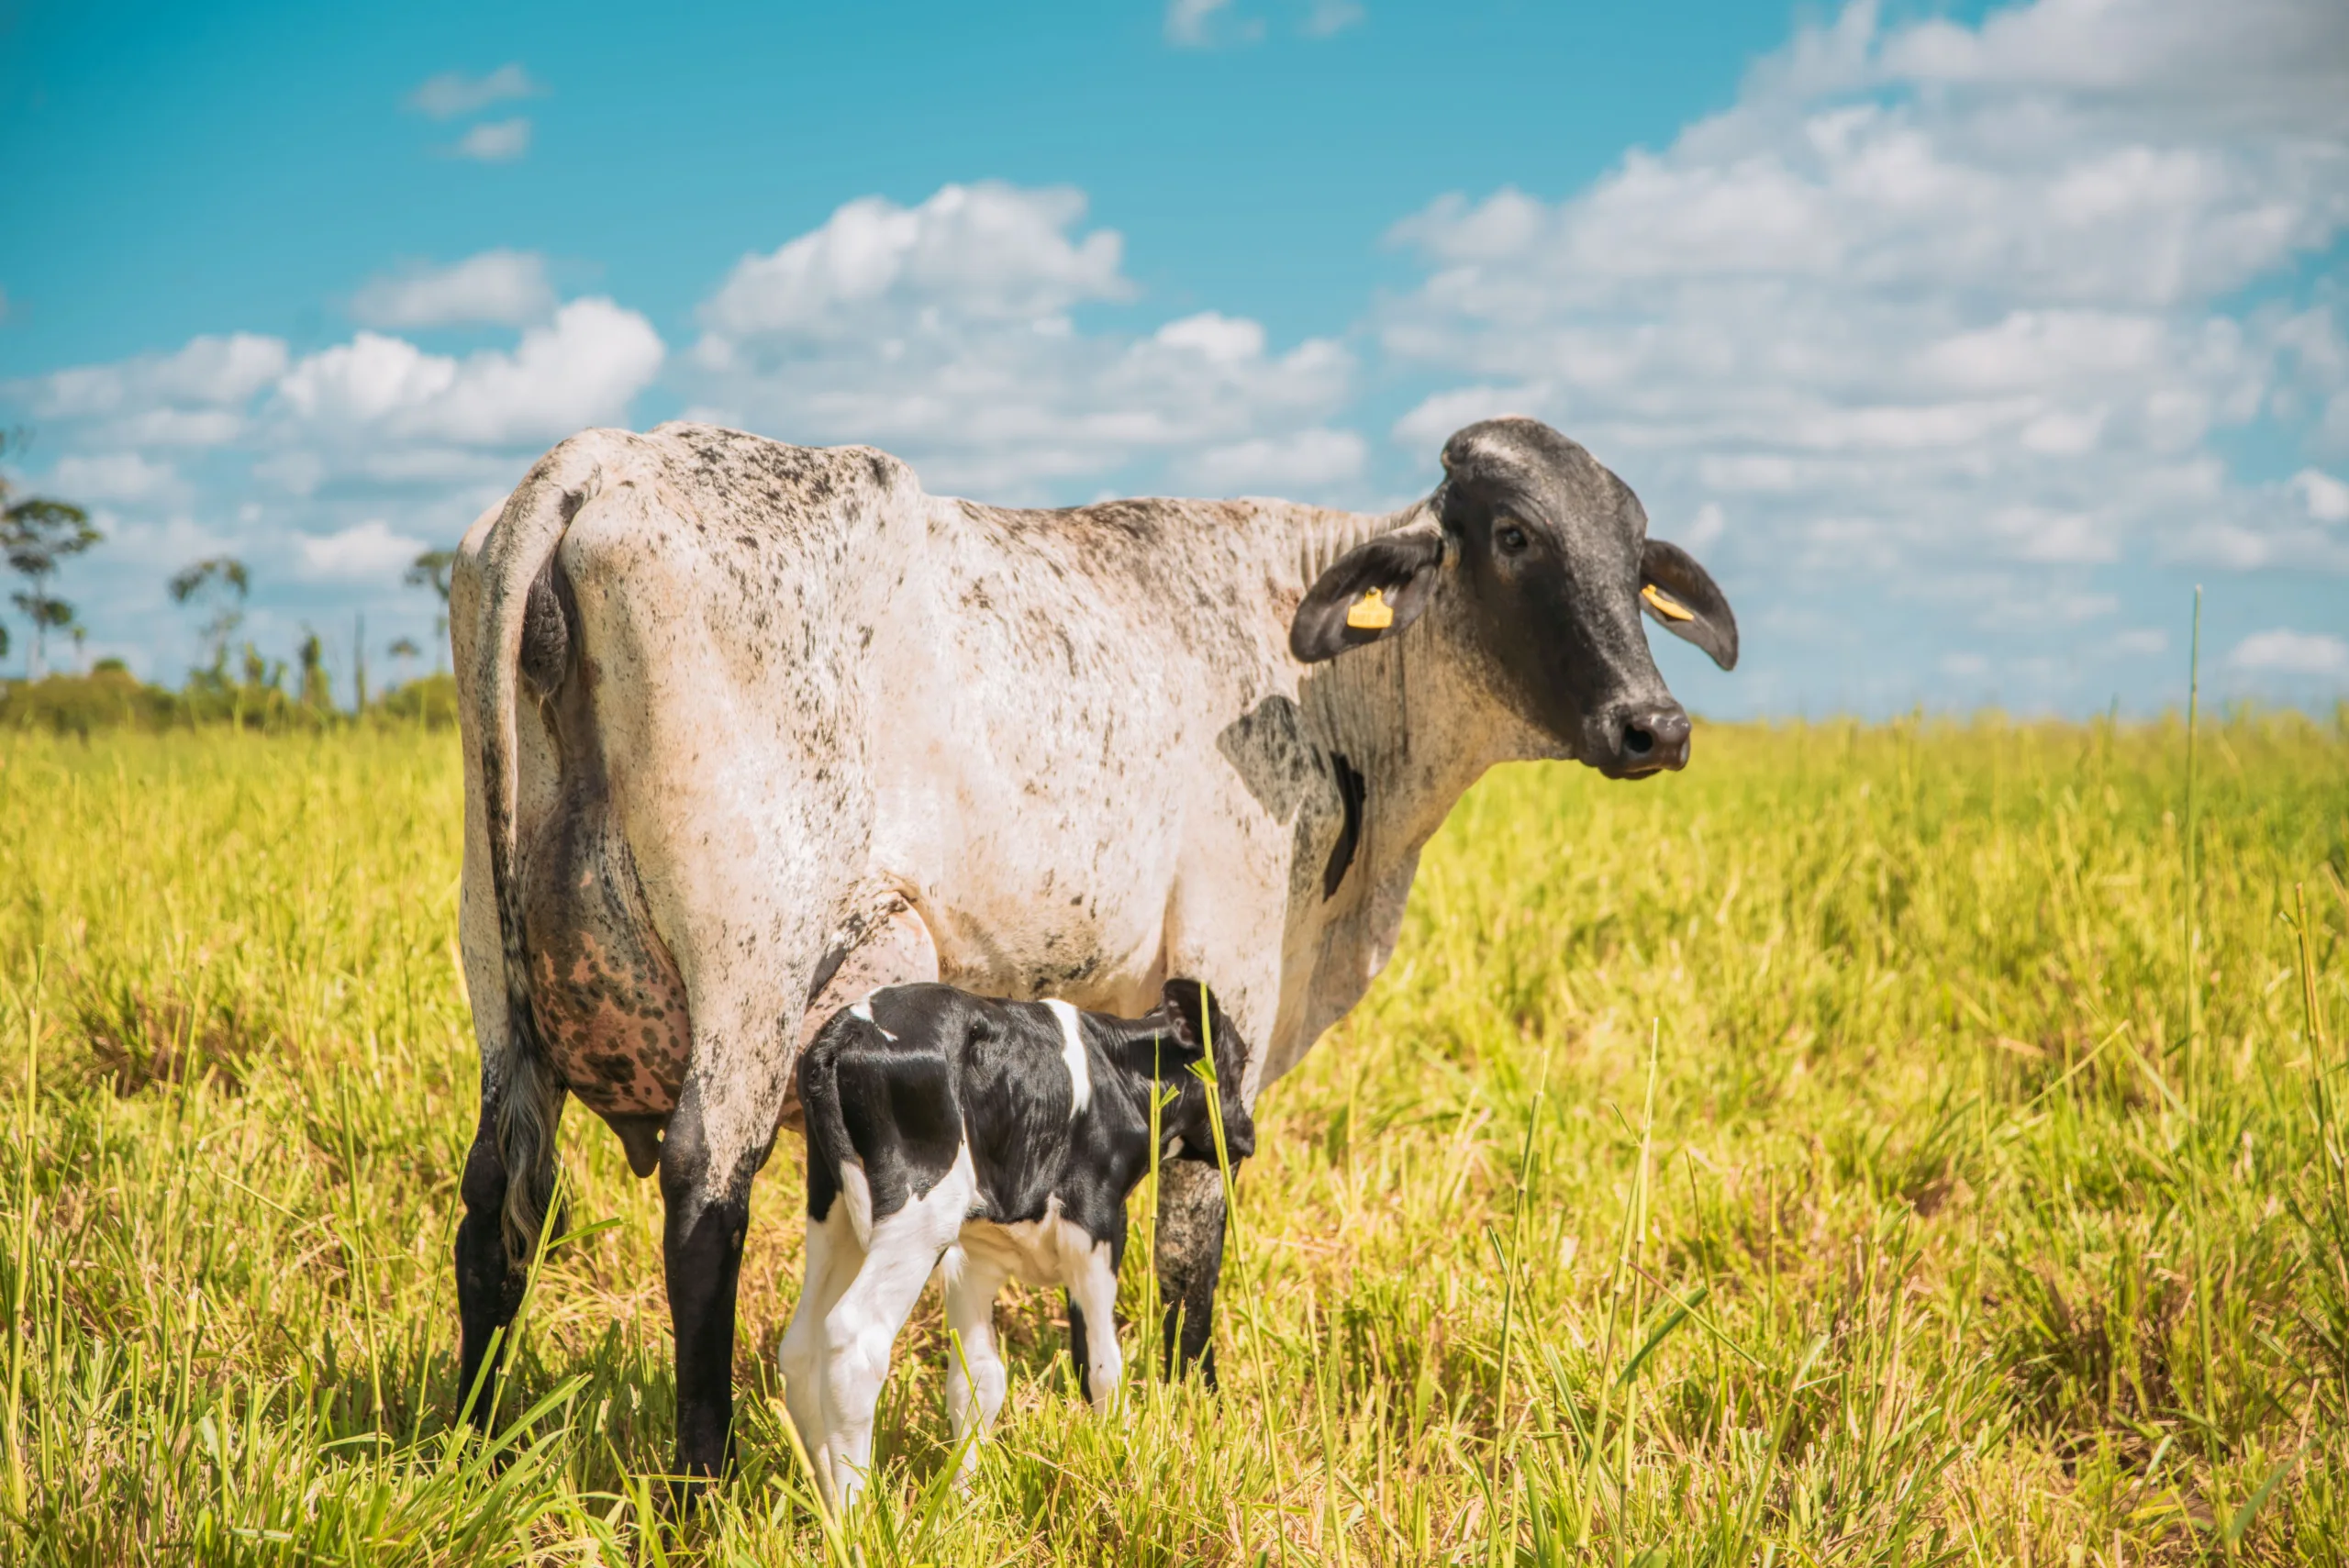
column 752, row 729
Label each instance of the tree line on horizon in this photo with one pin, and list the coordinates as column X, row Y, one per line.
column 239, row 685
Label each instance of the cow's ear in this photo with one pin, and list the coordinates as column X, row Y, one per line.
column 1681, row 597
column 1373, row 590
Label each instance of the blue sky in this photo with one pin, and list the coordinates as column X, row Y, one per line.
column 1960, row 343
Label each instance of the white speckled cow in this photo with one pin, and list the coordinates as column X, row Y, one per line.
column 751, row 730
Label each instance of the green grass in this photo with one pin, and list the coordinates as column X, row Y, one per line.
column 1801, row 1159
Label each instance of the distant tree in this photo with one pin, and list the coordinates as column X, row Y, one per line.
column 431, row 570
column 222, row 582
column 48, row 613
column 316, row 692
column 404, row 651
column 37, row 534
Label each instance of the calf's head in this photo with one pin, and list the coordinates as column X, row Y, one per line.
column 1194, row 1022
column 1549, row 556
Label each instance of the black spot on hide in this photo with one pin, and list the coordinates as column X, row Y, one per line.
column 1351, row 790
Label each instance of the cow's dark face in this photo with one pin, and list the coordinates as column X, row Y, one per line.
column 1549, row 554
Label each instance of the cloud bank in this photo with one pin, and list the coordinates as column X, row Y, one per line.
column 1940, row 343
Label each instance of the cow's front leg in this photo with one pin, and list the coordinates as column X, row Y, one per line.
column 717, row 1141
column 1190, row 1260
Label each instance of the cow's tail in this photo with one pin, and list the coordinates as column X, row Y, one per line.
column 525, row 646
column 828, row 1144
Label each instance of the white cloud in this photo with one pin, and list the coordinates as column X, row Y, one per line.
column 452, row 92
column 2272, row 60
column 495, row 141
column 508, row 288
column 582, row 368
column 2287, row 652
column 1709, row 523
column 365, row 551
column 2327, row 498
column 1306, row 461
column 988, row 252
column 1203, row 24
column 372, row 446
column 209, row 372
column 1971, row 292
column 944, row 332
column 1327, row 17
column 366, row 380
column 1942, row 336
column 112, row 476
column 1186, row 20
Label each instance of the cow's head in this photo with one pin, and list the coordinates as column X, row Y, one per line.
column 1549, row 557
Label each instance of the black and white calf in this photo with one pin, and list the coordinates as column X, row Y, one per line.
column 997, row 1139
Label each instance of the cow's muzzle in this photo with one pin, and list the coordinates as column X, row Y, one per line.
column 1631, row 740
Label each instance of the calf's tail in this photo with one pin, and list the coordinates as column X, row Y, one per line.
column 830, row 1147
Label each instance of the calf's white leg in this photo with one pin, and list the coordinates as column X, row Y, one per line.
column 861, row 1327
column 833, row 1259
column 975, row 1371
column 1092, row 1288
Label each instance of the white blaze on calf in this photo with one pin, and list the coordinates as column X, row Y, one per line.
column 1080, row 1081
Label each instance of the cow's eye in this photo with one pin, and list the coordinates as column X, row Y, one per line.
column 1509, row 538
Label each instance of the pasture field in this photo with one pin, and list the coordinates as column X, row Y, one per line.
column 1827, row 1155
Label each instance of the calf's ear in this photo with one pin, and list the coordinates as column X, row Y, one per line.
column 1188, row 1002
column 1681, row 597
column 1373, row 590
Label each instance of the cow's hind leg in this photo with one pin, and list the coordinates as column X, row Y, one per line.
column 508, row 1182
column 1190, row 1262
column 707, row 1161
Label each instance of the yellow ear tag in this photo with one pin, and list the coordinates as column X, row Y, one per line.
column 1665, row 606
column 1371, row 612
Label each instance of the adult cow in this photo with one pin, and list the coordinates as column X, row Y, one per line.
column 753, row 729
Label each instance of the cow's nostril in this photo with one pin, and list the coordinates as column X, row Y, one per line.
column 1638, row 741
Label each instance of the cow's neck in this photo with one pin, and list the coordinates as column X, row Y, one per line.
column 1415, row 715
